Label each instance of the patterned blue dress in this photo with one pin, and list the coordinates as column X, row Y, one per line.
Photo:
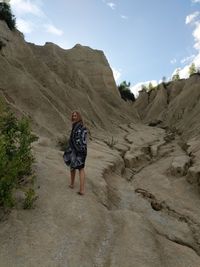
column 75, row 154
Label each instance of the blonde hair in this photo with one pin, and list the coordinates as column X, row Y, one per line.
column 79, row 117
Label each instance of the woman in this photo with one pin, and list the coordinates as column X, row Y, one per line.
column 76, row 153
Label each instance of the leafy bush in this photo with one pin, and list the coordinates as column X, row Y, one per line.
column 15, row 153
column 30, row 199
column 125, row 92
column 63, row 143
column 7, row 16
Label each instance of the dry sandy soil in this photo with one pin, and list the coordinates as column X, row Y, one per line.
column 141, row 206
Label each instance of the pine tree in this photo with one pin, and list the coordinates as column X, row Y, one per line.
column 150, row 87
column 176, row 76
column 192, row 69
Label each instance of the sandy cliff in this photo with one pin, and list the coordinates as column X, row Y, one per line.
column 176, row 104
column 47, row 83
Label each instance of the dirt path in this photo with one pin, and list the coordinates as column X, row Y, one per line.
column 139, row 209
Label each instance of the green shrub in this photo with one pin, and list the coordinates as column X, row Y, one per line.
column 63, row 143
column 125, row 91
column 30, row 198
column 7, row 16
column 15, row 153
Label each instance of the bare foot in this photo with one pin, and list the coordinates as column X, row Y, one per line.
column 71, row 186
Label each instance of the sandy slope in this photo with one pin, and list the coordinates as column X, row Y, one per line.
column 112, row 225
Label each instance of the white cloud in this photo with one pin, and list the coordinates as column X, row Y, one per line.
column 196, row 61
column 195, row 1
column 136, row 88
column 196, row 34
column 184, row 72
column 173, row 61
column 123, row 17
column 22, row 7
column 24, row 26
column 190, row 18
column 111, row 5
column 187, row 59
column 63, row 44
column 52, row 29
column 116, row 74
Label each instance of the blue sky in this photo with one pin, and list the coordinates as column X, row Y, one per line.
column 143, row 40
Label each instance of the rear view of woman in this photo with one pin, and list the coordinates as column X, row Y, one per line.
column 76, row 153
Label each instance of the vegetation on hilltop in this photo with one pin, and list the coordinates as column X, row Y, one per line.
column 192, row 70
column 7, row 16
column 176, row 76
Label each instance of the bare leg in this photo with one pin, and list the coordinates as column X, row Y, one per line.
column 73, row 174
column 82, row 180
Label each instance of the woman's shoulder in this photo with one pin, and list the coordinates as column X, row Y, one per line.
column 79, row 127
column 82, row 126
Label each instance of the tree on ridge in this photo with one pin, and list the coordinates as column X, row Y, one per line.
column 125, row 91
column 192, row 69
column 176, row 76
column 6, row 15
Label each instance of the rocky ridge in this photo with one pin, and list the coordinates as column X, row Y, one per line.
column 47, row 82
column 174, row 105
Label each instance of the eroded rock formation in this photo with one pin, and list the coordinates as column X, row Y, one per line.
column 142, row 200
column 48, row 82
